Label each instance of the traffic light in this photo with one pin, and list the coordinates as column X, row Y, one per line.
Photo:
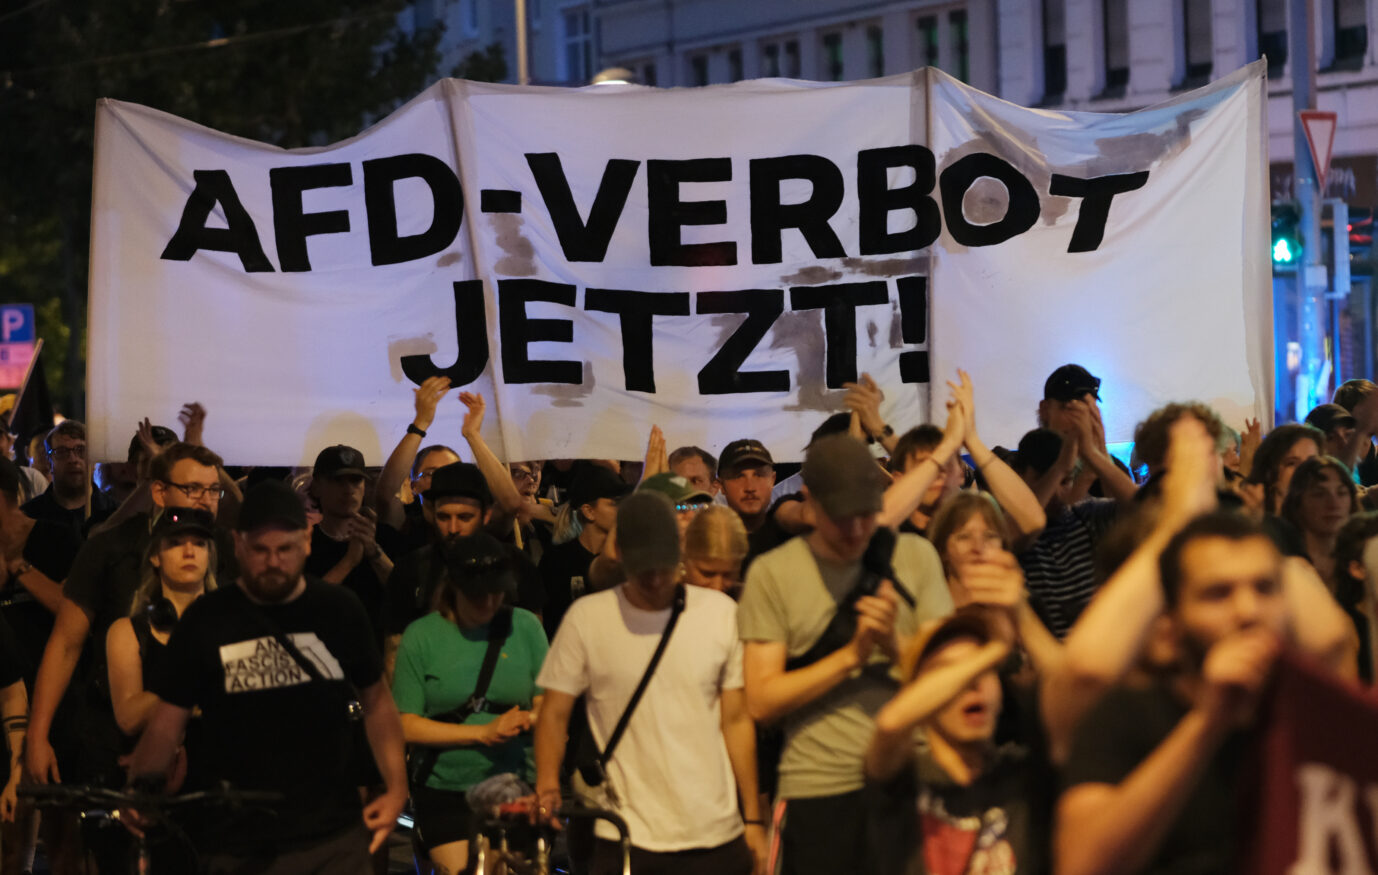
column 1287, row 243
column 1361, row 241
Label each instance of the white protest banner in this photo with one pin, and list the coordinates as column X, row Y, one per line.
column 718, row 261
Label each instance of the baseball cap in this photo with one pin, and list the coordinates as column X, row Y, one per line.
column 1070, row 382
column 647, row 533
column 593, row 482
column 1331, row 416
column 675, row 488
column 271, row 503
column 479, row 565
column 743, row 452
column 179, row 520
column 338, row 461
column 458, row 480
column 841, row 475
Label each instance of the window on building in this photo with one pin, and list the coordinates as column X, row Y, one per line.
column 1272, row 35
column 1054, row 51
column 1351, row 34
column 928, row 41
column 875, row 51
column 734, row 65
column 957, row 33
column 1197, row 47
column 770, row 60
column 698, row 70
column 789, row 65
column 578, row 46
column 1116, row 21
column 648, row 75
column 832, row 57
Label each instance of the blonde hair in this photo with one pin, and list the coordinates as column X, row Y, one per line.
column 151, row 582
column 716, row 533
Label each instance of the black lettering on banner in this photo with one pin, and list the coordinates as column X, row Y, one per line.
column 518, row 332
column 667, row 214
column 913, row 292
column 876, row 200
column 380, row 203
column 723, row 375
column 1020, row 214
column 583, row 241
column 1096, row 195
column 636, row 311
column 471, row 333
column 496, row 200
column 838, row 303
column 239, row 236
column 769, row 217
column 292, row 226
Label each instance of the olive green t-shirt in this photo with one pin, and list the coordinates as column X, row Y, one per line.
column 790, row 596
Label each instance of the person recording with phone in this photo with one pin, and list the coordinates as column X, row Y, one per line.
column 823, row 618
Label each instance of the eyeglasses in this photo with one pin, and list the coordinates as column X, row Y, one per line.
column 193, row 491
column 521, row 475
column 77, row 452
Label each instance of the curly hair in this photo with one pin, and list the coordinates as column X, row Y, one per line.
column 1151, row 436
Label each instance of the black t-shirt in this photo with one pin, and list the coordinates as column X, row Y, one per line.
column 769, row 536
column 45, row 507
column 564, row 572
column 417, row 575
column 50, row 548
column 1120, row 732
column 326, row 553
column 998, row 823
column 266, row 725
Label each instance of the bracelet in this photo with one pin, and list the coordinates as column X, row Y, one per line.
column 23, row 568
column 412, row 429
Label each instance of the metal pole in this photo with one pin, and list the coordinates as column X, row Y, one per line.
column 1311, row 273
column 523, row 71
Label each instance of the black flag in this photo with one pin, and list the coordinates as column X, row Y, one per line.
column 33, row 409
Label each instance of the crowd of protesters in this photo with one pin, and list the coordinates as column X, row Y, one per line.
column 926, row 655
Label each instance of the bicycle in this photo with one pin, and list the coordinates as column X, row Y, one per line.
column 512, row 820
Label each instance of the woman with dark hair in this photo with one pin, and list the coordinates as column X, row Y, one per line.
column 1320, row 498
column 1356, row 572
column 179, row 567
column 1285, row 447
column 456, row 745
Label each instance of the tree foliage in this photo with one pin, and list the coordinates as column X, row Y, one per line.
column 298, row 73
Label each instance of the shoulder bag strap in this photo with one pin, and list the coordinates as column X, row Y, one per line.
column 676, row 609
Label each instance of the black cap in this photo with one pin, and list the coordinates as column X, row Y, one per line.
column 842, row 476
column 1330, row 416
column 458, row 480
column 271, row 503
column 1069, row 383
column 838, row 423
column 178, row 520
column 593, row 482
column 338, row 461
column 479, row 565
column 743, row 452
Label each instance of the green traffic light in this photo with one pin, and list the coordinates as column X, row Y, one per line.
column 1283, row 252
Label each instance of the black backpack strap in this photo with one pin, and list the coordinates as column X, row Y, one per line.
column 675, row 610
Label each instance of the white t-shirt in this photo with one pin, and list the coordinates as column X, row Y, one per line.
column 670, row 771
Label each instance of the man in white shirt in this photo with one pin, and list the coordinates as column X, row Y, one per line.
column 671, row 775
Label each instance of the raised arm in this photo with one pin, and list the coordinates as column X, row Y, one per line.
column 498, row 476
column 1013, row 494
column 398, row 465
column 1091, row 444
column 904, row 494
column 863, row 399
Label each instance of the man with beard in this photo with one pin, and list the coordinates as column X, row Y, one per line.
column 65, row 499
column 281, row 666
column 1151, row 782
column 746, row 474
column 456, row 505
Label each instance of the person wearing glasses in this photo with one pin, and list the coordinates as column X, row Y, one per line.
column 65, row 499
column 83, row 735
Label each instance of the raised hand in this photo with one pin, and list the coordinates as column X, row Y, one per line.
column 193, row 419
column 964, row 394
column 1248, row 445
column 657, row 462
column 428, row 396
column 145, row 436
column 1192, row 471
column 863, row 399
column 875, row 623
column 473, row 416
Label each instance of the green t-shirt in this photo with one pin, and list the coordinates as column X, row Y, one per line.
column 437, row 667
column 790, row 597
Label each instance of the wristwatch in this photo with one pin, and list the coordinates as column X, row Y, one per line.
column 412, row 429
column 885, row 432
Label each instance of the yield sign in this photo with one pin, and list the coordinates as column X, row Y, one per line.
column 1320, row 136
